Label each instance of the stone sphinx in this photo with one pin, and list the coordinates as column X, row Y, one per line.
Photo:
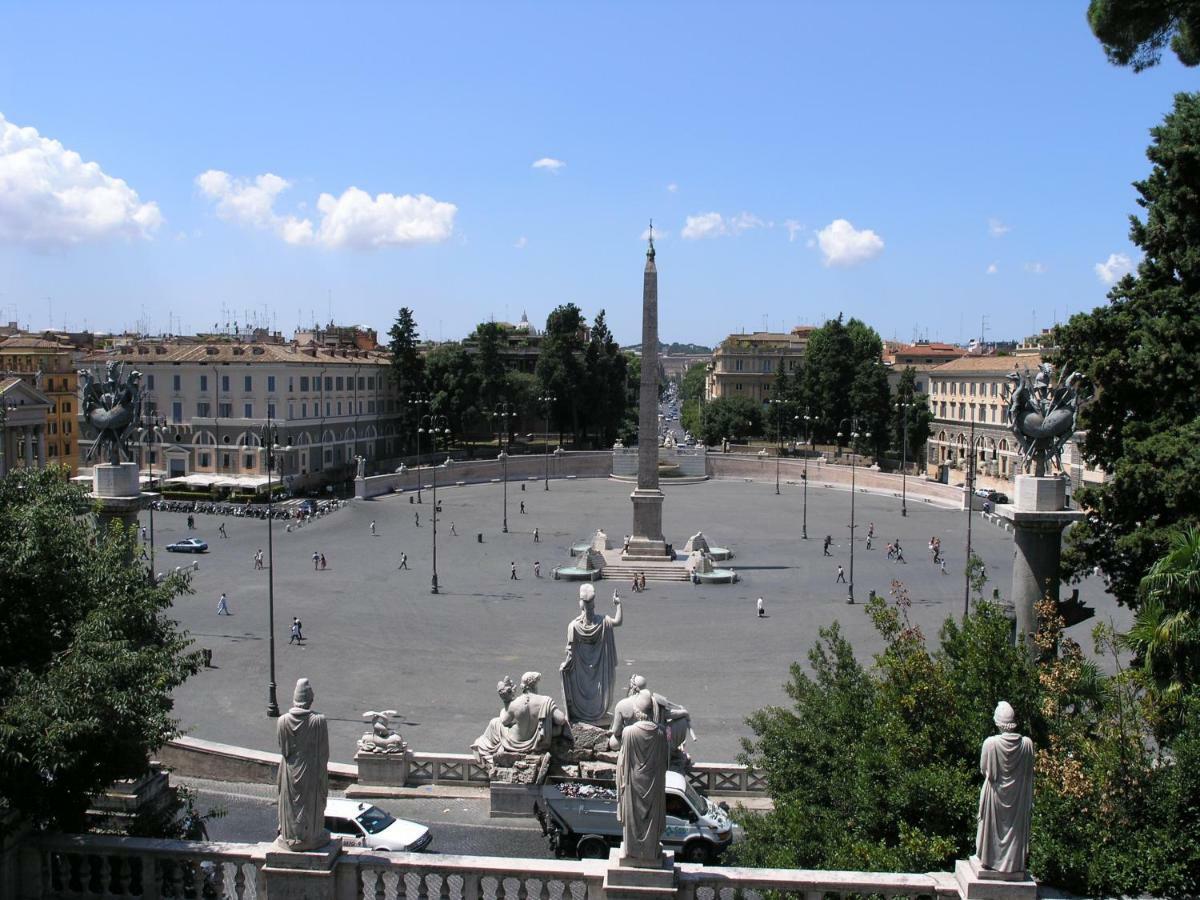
column 381, row 738
column 590, row 668
column 674, row 719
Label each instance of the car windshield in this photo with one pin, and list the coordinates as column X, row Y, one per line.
column 698, row 803
column 375, row 820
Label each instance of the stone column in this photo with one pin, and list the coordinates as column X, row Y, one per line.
column 1039, row 517
column 647, row 542
column 40, row 431
column 27, row 434
column 117, row 491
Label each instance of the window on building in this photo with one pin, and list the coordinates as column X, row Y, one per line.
column 203, row 409
column 249, row 461
column 270, row 384
column 204, row 382
column 339, row 382
column 918, row 387
column 339, row 407
column 67, row 449
column 360, row 407
column 225, row 460
column 953, row 388
column 248, row 383
column 304, row 410
column 328, row 455
column 176, row 383
column 362, row 383
column 329, row 382
column 67, row 427
column 205, row 459
column 327, row 407
column 225, row 410
column 248, row 410
column 177, row 412
column 738, row 386
column 270, row 410
column 291, row 384
column 66, row 406
column 54, row 428
column 291, row 411
column 225, row 383
column 370, row 406
column 303, row 384
column 150, row 382
column 972, row 389
column 737, row 365
column 994, row 386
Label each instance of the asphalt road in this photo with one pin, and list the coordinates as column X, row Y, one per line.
column 377, row 638
column 458, row 826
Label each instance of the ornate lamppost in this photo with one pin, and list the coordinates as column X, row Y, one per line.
column 417, row 401
column 503, row 411
column 151, row 432
column 854, row 434
column 808, row 429
column 905, row 406
column 270, row 442
column 548, row 400
column 436, row 426
column 778, row 404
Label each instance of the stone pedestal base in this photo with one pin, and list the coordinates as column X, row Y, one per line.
column 383, row 769
column 309, row 875
column 647, row 541
column 977, row 883
column 1038, row 519
column 629, row 877
column 117, row 491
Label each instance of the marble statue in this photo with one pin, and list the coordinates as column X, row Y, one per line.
column 381, row 738
column 113, row 407
column 642, row 784
column 360, row 463
column 532, row 720
column 590, row 669
column 487, row 745
column 303, row 773
column 1042, row 415
column 671, row 717
column 1006, row 800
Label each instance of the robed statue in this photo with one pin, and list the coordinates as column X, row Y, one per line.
column 673, row 718
column 589, row 672
column 642, row 784
column 303, row 773
column 1006, row 800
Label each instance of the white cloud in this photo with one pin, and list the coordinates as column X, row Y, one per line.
column 793, row 228
column 548, row 163
column 50, row 197
column 522, row 242
column 673, row 188
column 1116, row 267
column 844, row 245
column 996, row 228
column 353, row 219
column 992, row 269
column 713, row 224
column 1035, row 268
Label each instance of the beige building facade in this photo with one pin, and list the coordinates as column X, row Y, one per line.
column 24, row 421
column 744, row 365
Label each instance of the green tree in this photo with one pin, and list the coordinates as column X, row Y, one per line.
column 452, row 377
column 604, row 381
column 735, row 418
column 694, row 378
column 908, row 402
column 489, row 363
column 88, row 656
column 829, row 368
column 1141, row 355
column 560, row 365
column 1134, row 32
column 408, row 369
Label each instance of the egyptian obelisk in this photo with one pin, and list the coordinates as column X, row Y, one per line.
column 647, row 540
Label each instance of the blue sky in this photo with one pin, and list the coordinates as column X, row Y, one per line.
column 799, row 160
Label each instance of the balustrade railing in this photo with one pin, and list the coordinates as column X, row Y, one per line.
column 446, row 768
column 718, row 883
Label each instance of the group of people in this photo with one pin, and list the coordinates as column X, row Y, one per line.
column 639, row 582
column 318, row 561
column 935, row 551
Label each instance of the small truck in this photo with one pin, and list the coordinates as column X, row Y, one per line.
column 579, row 819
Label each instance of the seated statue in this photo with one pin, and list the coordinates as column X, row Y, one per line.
column 532, row 720
column 381, row 738
column 487, row 745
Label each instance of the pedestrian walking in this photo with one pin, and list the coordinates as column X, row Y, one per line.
column 635, row 583
column 642, row 582
column 192, row 522
column 537, row 538
column 841, row 578
column 373, row 534
column 322, row 562
column 871, row 530
column 942, row 563
column 453, row 530
column 145, row 555
column 297, row 631
column 828, row 541
column 417, row 519
column 221, row 530
column 762, row 610
column 258, row 559
column 316, row 560
column 900, row 555
column 512, row 571
column 522, row 505
column 537, row 569
column 144, row 535
column 223, row 606
column 403, row 561
column 869, row 539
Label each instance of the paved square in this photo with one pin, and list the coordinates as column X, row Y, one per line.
column 377, row 638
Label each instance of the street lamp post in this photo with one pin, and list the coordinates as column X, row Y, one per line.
column 778, row 404
column 417, row 401
column 503, row 411
column 152, row 430
column 973, row 445
column 854, row 435
column 904, row 458
column 270, row 441
column 547, row 399
column 808, row 430
column 437, row 425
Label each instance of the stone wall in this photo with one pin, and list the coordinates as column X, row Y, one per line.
column 568, row 464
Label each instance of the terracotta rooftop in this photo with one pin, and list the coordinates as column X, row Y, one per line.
column 31, row 342
column 987, row 365
column 287, row 354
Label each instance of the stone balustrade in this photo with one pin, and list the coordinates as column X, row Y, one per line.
column 529, row 467
column 446, row 768
column 82, row 867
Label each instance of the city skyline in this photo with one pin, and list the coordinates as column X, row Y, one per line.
column 161, row 169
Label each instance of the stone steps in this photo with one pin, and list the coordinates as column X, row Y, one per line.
column 658, row 573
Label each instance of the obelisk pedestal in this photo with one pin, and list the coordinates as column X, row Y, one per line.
column 1039, row 515
column 646, row 542
column 117, row 490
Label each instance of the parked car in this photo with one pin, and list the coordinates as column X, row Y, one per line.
column 998, row 497
column 363, row 825
column 188, row 545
